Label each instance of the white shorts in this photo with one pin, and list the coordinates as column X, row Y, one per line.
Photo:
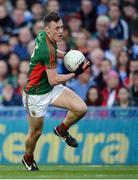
column 36, row 105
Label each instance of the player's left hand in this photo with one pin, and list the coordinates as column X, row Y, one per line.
column 82, row 68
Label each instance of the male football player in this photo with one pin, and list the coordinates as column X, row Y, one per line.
column 44, row 87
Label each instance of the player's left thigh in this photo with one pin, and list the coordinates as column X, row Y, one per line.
column 71, row 101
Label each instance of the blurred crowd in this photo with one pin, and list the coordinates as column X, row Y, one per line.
column 106, row 31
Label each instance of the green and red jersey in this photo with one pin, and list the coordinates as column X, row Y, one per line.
column 44, row 57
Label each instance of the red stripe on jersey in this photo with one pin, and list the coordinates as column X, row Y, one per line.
column 34, row 77
column 51, row 51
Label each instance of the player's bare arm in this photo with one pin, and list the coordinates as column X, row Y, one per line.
column 60, row 53
column 55, row 78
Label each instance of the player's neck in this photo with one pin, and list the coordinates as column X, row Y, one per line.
column 52, row 40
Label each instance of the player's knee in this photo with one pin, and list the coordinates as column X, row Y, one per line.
column 82, row 109
column 38, row 133
column 35, row 133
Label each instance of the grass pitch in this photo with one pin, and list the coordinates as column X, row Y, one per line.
column 70, row 172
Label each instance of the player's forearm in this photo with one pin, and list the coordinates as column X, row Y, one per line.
column 60, row 54
column 61, row 79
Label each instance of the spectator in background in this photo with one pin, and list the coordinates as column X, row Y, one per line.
column 9, row 98
column 93, row 97
column 106, row 67
column 134, row 45
column 5, row 20
column 37, row 11
column 92, row 44
column 13, row 41
column 22, row 79
column 3, row 75
column 19, row 21
column 24, row 67
column 113, row 3
column 110, row 92
column 123, row 66
column 123, row 98
column 116, row 46
column 88, row 15
column 67, row 33
column 133, row 66
column 7, row 4
column 102, row 7
column 134, row 88
column 38, row 26
column 96, row 57
column 131, row 16
column 118, row 27
column 52, row 6
column 4, row 50
column 22, row 4
column 13, row 63
column 3, row 70
column 102, row 26
column 80, row 42
column 81, row 85
column 25, row 37
column 74, row 23
column 129, row 11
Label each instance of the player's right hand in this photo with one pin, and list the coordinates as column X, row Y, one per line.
column 82, row 68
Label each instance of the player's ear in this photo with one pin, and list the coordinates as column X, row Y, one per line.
column 47, row 29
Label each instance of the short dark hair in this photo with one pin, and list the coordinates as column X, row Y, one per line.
column 126, row 4
column 107, row 60
column 51, row 17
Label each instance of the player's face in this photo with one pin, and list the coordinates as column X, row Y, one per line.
column 55, row 30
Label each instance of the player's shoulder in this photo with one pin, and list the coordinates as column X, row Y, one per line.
column 41, row 35
column 40, row 40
